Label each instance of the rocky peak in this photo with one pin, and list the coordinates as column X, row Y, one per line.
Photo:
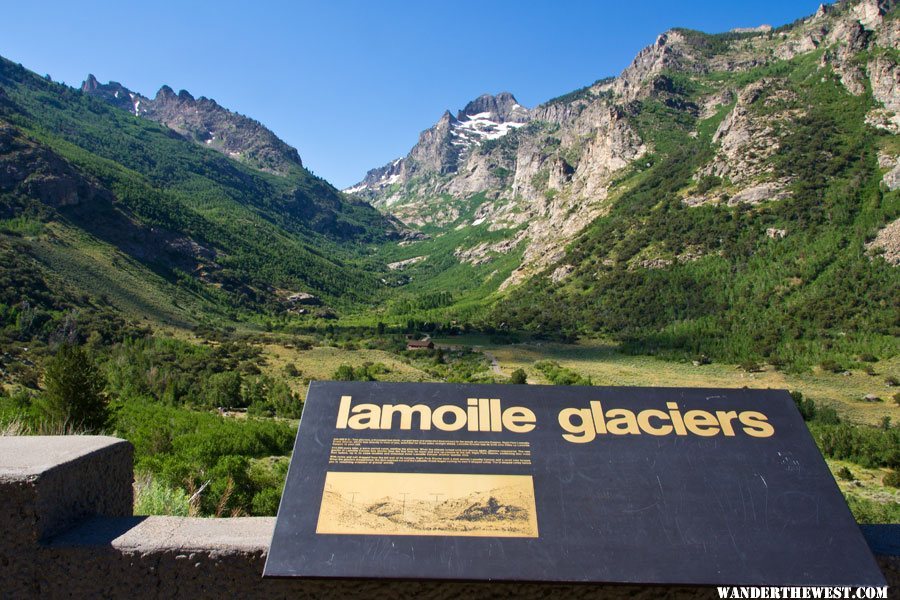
column 165, row 93
column 550, row 180
column 870, row 12
column 447, row 119
column 668, row 52
column 500, row 108
column 205, row 122
column 443, row 147
column 435, row 151
column 90, row 84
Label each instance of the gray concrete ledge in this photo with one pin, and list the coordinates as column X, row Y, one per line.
column 68, row 531
column 23, row 457
column 160, row 534
column 56, row 481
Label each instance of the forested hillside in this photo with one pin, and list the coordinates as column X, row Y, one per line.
column 86, row 184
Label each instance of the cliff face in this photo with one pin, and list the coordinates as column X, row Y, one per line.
column 544, row 174
column 205, row 122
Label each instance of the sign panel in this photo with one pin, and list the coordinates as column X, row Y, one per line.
column 562, row 484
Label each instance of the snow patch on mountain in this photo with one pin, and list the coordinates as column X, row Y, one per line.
column 474, row 129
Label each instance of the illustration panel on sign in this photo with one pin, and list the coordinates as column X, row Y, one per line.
column 428, row 504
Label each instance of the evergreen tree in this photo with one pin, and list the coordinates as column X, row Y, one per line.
column 73, row 394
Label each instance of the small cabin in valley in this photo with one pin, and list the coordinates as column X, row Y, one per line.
column 425, row 344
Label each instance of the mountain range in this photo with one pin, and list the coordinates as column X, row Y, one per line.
column 732, row 194
column 735, row 186
column 549, row 171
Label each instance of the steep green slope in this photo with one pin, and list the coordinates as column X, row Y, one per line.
column 93, row 193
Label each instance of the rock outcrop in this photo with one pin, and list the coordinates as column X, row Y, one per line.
column 887, row 243
column 34, row 171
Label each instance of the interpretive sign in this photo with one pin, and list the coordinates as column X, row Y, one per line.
column 564, row 484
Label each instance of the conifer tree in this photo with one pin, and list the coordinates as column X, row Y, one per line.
column 73, row 395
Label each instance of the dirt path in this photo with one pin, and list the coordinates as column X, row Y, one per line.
column 495, row 364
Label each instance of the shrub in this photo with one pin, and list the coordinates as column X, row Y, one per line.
column 224, row 389
column 266, row 501
column 187, row 449
column 708, row 182
column 845, row 474
column 153, row 497
column 559, row 375
column 868, row 511
column 827, row 415
column 368, row 371
column 518, row 377
column 343, row 373
column 831, row 365
column 806, row 406
column 892, row 479
column 867, row 446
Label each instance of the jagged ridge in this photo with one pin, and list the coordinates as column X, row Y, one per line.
column 204, row 121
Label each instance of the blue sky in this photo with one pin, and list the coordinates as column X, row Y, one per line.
column 352, row 83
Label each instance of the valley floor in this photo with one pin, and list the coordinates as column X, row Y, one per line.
column 162, row 432
column 606, row 365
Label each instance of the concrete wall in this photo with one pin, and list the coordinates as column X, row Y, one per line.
column 66, row 530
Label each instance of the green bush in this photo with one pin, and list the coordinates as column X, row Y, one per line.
column 224, row 390
column 368, row 371
column 831, row 365
column 892, row 479
column 806, row 406
column 866, row 446
column 845, row 474
column 188, row 450
column 708, row 182
column 152, row 497
column 867, row 511
column 559, row 375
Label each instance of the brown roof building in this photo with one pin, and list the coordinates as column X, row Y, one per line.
column 425, row 344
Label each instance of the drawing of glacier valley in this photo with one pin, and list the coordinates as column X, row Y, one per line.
column 428, row 504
